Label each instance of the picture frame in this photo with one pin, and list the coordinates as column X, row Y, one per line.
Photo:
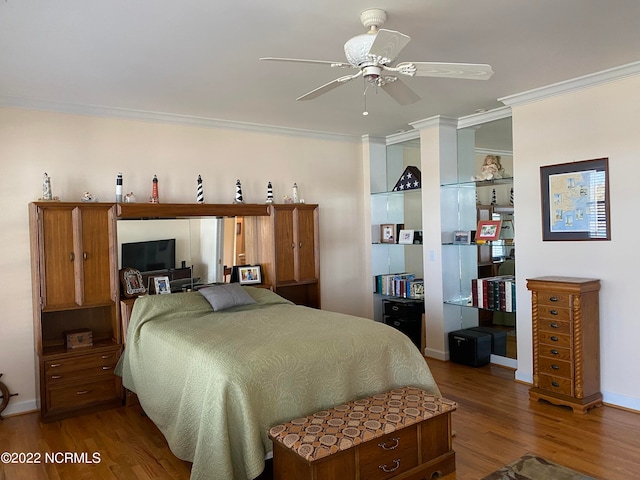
column 249, row 274
column 488, row 230
column 132, row 283
column 406, row 237
column 462, row 237
column 161, row 285
column 387, row 233
column 575, row 200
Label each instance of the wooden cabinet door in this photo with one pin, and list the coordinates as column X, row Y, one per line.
column 306, row 233
column 77, row 256
column 94, row 255
column 57, row 282
column 285, row 245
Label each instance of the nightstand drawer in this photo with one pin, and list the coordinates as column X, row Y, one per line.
column 556, row 384
column 82, row 393
column 81, row 362
column 389, row 455
column 555, row 367
column 54, row 377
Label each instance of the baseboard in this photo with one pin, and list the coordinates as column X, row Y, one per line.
column 20, row 408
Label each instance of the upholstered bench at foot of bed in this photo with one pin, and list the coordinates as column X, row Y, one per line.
column 404, row 434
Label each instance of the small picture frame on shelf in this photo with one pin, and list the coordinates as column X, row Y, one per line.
column 488, row 230
column 161, row 285
column 462, row 237
column 387, row 233
column 132, row 284
column 405, row 237
column 249, row 274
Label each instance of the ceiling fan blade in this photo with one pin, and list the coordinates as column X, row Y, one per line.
column 388, row 44
column 327, row 87
column 469, row 71
column 399, row 91
column 301, row 60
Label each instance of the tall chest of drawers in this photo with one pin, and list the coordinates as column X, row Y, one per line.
column 566, row 341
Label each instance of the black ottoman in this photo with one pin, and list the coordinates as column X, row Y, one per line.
column 470, row 347
column 498, row 339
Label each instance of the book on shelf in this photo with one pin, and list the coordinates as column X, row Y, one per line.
column 494, row 293
column 403, row 285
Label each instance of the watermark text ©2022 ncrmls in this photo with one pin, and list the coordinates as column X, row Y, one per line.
column 50, row 457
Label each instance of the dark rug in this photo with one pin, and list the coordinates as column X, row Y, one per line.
column 532, row 467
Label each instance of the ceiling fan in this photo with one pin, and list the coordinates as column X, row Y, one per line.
column 373, row 54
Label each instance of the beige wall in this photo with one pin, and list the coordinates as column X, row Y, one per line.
column 595, row 122
column 84, row 153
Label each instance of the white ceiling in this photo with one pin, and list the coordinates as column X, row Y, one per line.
column 200, row 58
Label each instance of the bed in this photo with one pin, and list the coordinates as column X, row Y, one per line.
column 214, row 382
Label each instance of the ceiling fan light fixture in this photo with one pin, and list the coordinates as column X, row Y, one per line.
column 357, row 49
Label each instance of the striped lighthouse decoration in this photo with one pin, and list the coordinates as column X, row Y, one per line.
column 199, row 191
column 238, row 198
column 269, row 193
column 511, row 196
column 494, row 200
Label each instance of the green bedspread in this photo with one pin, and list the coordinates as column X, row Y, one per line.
column 215, row 382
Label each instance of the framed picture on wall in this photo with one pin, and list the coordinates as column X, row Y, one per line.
column 575, row 200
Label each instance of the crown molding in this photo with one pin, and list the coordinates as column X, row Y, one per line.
column 477, row 119
column 161, row 117
column 586, row 81
column 436, row 121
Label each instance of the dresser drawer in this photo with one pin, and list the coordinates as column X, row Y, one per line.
column 553, row 312
column 555, row 352
column 81, row 362
column 554, row 298
column 73, row 375
column 555, row 326
column 552, row 338
column 559, row 368
column 555, row 384
column 389, row 455
column 82, row 393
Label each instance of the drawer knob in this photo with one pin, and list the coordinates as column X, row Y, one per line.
column 553, row 312
column 555, row 384
column 555, row 367
column 553, row 299
column 554, row 338
column 104, row 357
column 384, row 446
column 554, row 352
column 54, row 365
column 395, row 308
column 554, row 325
column 386, row 469
column 82, row 392
column 56, row 377
column 106, row 368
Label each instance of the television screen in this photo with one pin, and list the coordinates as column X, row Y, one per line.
column 150, row 255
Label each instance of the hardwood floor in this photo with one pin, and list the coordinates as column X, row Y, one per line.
column 495, row 423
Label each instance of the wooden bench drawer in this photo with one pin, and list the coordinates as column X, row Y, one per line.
column 389, row 455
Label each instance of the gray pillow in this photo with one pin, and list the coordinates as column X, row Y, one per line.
column 226, row 296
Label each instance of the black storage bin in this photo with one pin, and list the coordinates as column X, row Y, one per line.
column 409, row 326
column 470, row 347
column 498, row 339
column 406, row 316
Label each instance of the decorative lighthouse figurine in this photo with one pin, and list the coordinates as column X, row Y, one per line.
column 46, row 187
column 119, row 188
column 295, row 193
column 494, row 200
column 269, row 193
column 238, row 198
column 199, row 191
column 155, row 198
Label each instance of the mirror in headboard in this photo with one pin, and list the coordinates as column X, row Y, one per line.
column 206, row 238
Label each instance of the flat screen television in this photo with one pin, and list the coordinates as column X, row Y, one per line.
column 149, row 256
